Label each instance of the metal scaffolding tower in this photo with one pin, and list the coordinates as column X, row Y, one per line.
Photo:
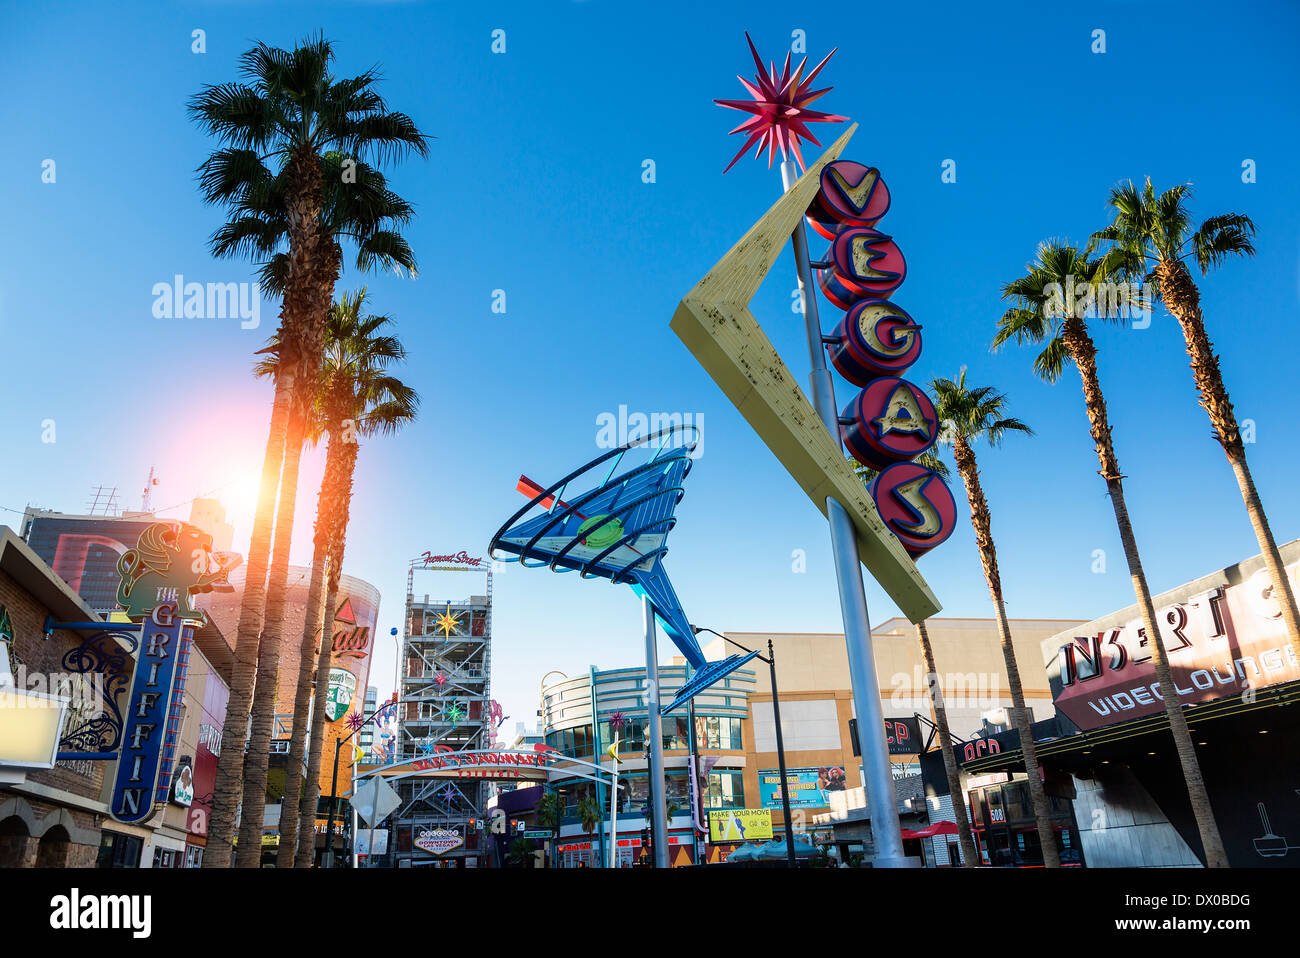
column 445, row 697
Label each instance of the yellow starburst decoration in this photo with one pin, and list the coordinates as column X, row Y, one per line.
column 448, row 622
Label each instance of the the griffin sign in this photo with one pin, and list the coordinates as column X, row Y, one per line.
column 172, row 562
column 164, row 649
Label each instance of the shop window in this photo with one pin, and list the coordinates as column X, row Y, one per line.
column 119, row 851
column 725, row 789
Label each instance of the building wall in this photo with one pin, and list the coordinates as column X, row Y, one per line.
column 68, row 795
column 1121, row 826
column 817, row 701
column 968, row 658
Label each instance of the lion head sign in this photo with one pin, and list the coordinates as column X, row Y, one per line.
column 170, row 564
column 891, row 421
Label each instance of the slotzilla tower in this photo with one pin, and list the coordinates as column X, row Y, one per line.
column 445, row 695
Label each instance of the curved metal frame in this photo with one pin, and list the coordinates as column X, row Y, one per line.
column 556, row 490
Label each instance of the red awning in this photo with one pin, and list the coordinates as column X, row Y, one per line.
column 938, row 828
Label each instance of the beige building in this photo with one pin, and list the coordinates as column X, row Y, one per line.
column 817, row 700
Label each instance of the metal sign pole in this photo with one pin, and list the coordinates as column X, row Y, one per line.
column 883, row 807
column 658, row 793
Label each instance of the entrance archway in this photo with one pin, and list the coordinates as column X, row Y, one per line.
column 52, row 850
column 15, row 840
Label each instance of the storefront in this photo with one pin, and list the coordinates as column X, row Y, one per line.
column 1236, row 674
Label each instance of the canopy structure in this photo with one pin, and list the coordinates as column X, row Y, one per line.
column 938, row 828
column 775, row 850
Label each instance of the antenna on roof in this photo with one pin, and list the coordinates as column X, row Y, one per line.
column 103, row 501
column 146, row 499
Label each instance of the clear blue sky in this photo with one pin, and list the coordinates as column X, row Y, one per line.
column 534, row 185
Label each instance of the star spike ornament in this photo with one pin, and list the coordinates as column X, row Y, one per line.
column 780, row 108
column 448, row 622
column 355, row 720
column 455, row 713
column 449, row 795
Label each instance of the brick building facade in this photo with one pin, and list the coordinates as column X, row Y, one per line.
column 50, row 817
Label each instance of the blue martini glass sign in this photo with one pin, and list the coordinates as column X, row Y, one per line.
column 617, row 530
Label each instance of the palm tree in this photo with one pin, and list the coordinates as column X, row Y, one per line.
column 357, row 399
column 550, row 812
column 1152, row 238
column 590, row 813
column 967, row 415
column 521, row 853
column 1038, row 316
column 969, row 855
column 293, row 113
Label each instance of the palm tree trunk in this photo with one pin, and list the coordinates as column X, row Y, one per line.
column 340, row 500
column 228, row 784
column 303, row 209
column 1183, row 300
column 968, row 853
column 980, row 519
column 249, row 852
column 1084, row 354
column 312, row 633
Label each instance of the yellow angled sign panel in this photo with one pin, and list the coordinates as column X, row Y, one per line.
column 740, row 825
column 715, row 323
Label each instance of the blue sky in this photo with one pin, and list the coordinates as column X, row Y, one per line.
column 534, row 186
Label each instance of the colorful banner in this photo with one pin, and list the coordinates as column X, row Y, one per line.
column 808, row 787
column 740, row 824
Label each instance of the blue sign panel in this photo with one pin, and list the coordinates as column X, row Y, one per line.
column 808, row 787
column 164, row 648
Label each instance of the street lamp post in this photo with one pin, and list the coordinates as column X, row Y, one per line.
column 780, row 740
column 334, row 782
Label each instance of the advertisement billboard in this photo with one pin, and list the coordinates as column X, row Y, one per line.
column 215, row 696
column 740, row 825
column 808, row 787
column 354, row 621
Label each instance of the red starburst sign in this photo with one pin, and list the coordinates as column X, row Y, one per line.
column 780, row 108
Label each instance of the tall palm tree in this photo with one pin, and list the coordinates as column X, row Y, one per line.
column 521, row 854
column 358, row 399
column 294, row 114
column 590, row 813
column 968, row 415
column 1040, row 316
column 1153, row 236
column 550, row 812
column 964, row 836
